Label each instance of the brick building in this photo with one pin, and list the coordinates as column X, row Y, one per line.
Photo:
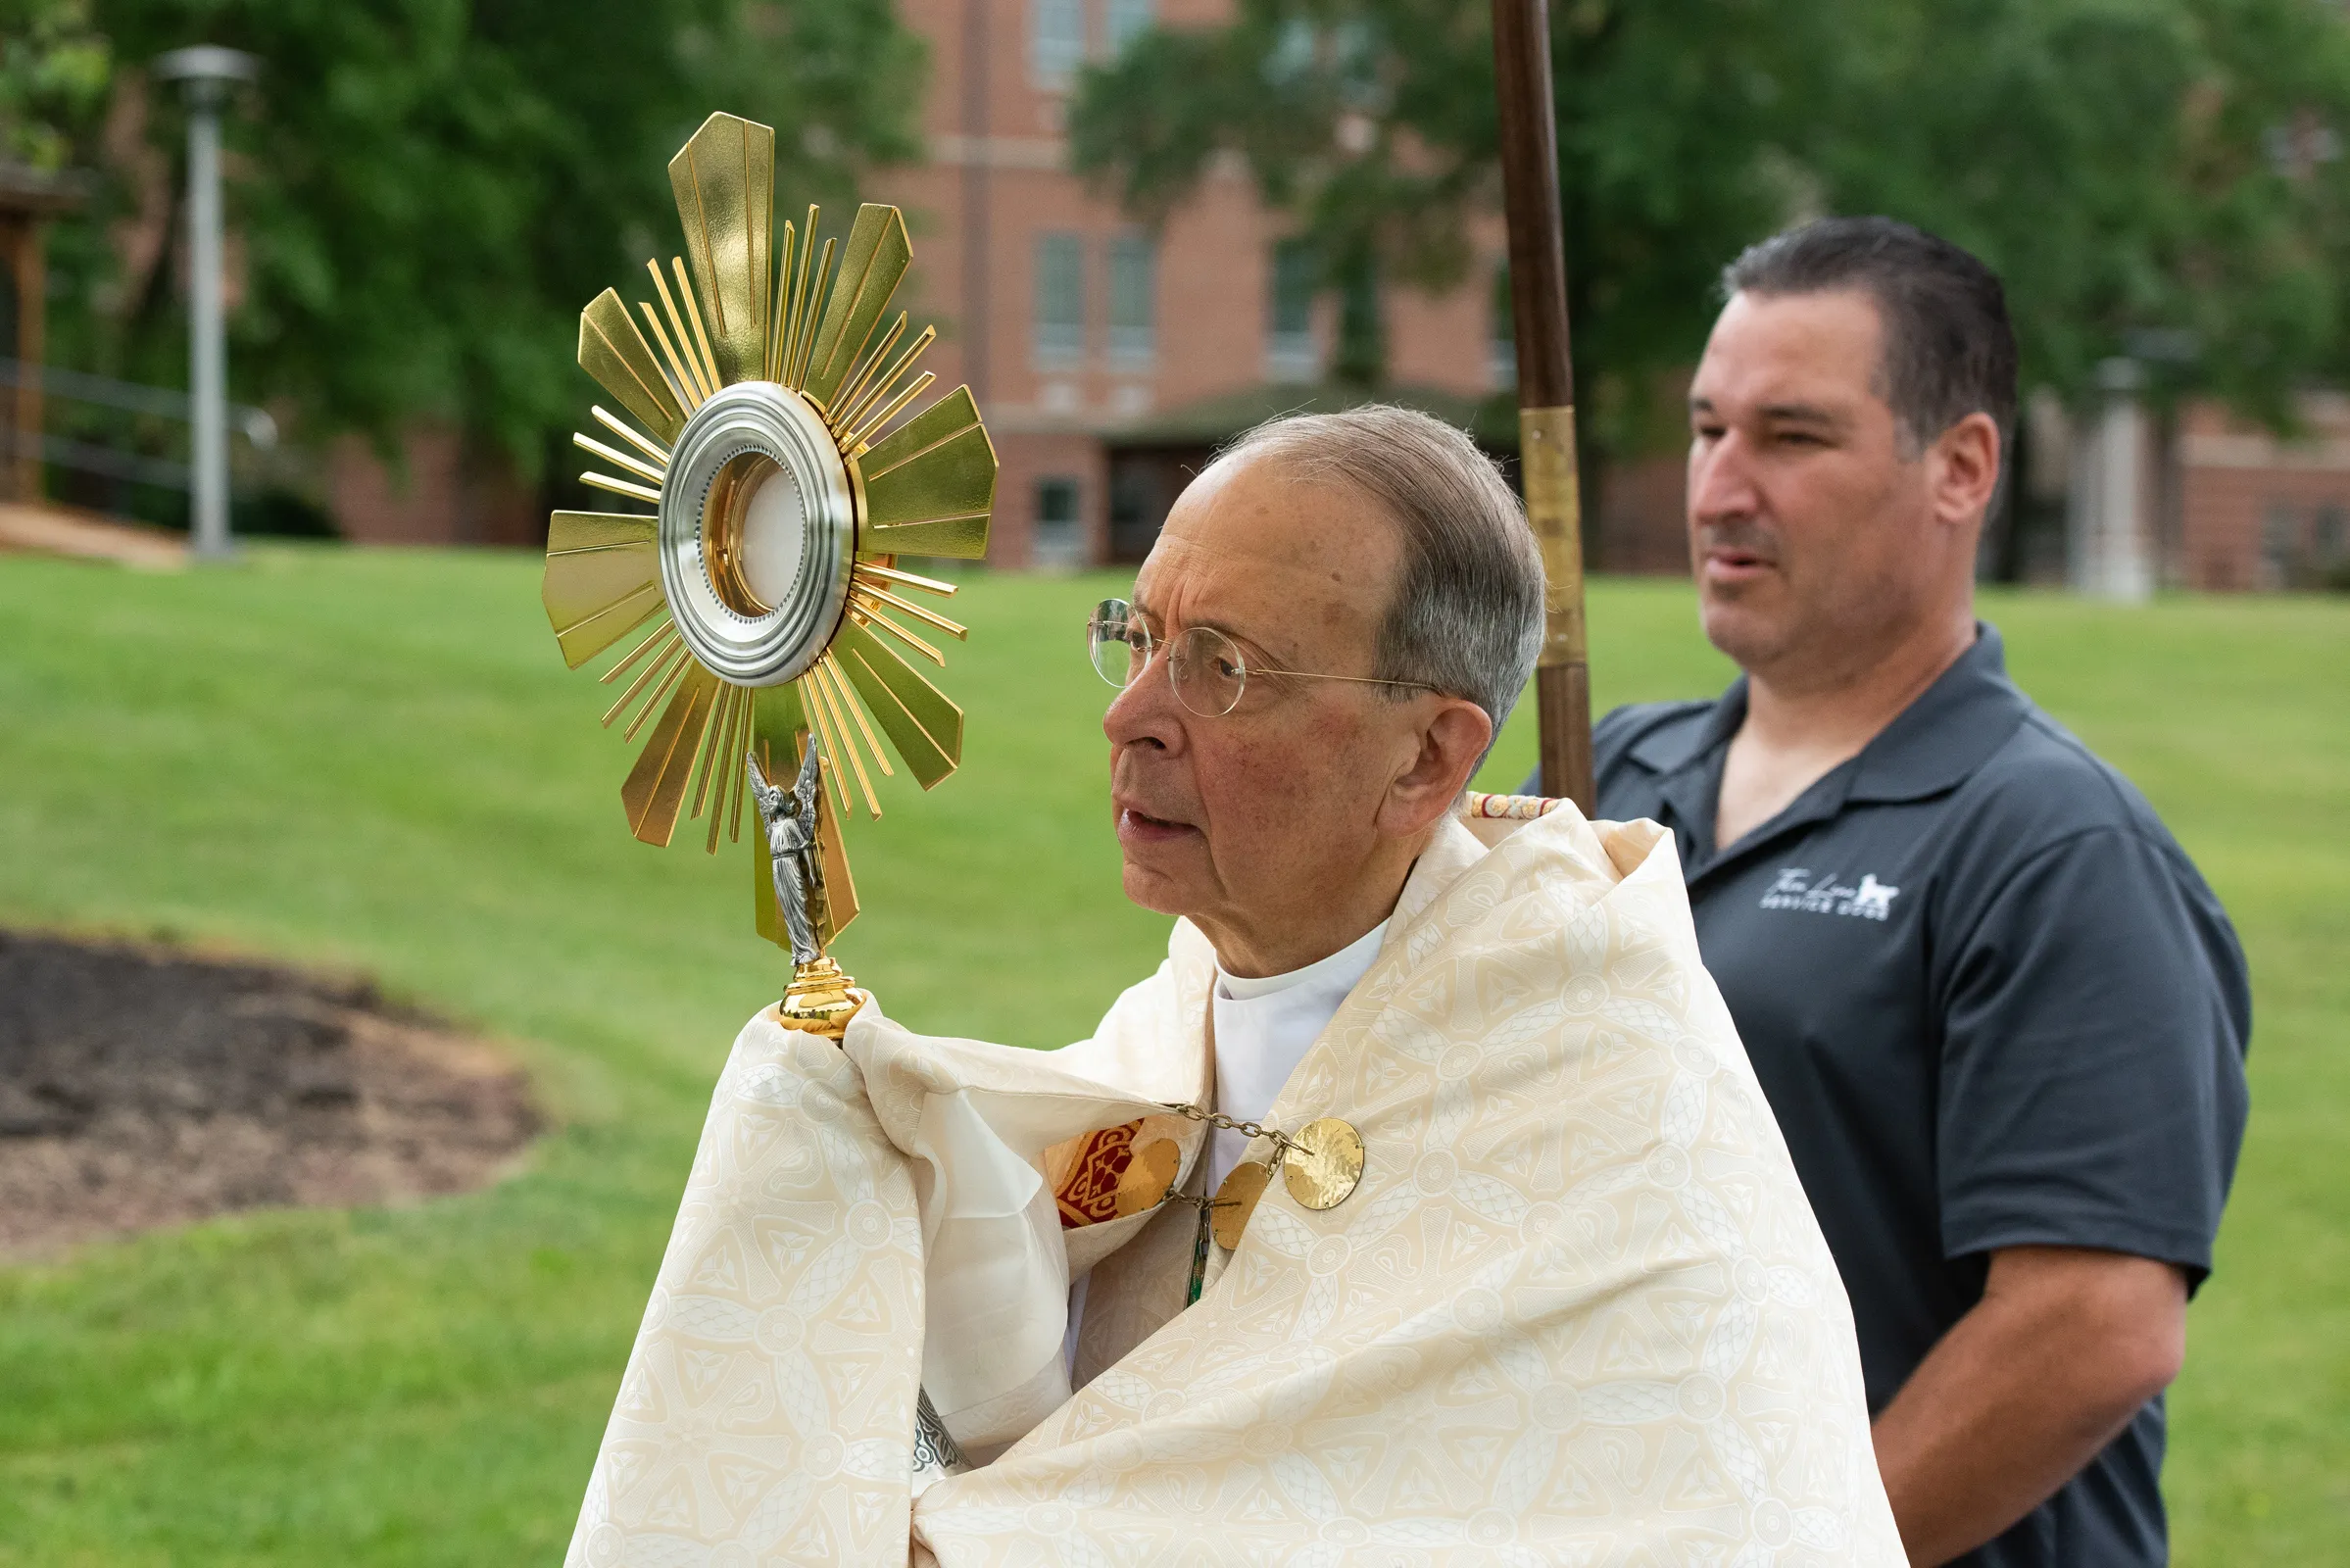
column 444, row 491
column 1110, row 359
column 2254, row 510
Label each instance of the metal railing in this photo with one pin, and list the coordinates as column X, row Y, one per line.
column 130, row 397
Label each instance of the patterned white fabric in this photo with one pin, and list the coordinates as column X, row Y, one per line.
column 1578, row 1310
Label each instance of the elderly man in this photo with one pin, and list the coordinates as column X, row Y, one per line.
column 1999, row 1015
column 1421, row 1207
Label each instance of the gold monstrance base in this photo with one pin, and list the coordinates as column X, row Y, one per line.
column 819, row 999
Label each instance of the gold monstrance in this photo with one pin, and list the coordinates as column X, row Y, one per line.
column 784, row 487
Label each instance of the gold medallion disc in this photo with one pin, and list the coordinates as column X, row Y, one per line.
column 1147, row 1176
column 1236, row 1201
column 1322, row 1170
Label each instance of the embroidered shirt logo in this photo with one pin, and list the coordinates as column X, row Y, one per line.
column 1796, row 888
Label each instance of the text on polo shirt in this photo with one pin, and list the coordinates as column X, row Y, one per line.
column 1797, row 889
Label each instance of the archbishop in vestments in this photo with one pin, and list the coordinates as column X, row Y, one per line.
column 1576, row 1310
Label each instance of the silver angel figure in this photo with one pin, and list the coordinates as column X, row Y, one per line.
column 791, row 820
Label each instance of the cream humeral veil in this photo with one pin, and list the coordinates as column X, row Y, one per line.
column 1577, row 1311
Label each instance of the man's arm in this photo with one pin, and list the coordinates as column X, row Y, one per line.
column 2064, row 1346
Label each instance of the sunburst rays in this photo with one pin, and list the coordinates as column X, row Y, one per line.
column 751, row 304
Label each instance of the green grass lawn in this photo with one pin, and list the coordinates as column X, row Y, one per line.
column 377, row 760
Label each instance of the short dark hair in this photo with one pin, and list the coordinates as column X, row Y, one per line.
column 1950, row 349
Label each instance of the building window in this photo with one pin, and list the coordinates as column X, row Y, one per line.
column 1292, row 53
column 1127, row 18
column 2329, row 537
column 1132, row 302
column 1502, row 350
column 1289, row 351
column 1059, row 302
column 2279, row 544
column 1361, row 357
column 1055, row 41
column 1059, row 544
column 1137, row 503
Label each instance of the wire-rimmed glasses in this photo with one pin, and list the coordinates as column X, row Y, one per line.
column 1205, row 668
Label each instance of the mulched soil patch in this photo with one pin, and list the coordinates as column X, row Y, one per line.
column 144, row 1086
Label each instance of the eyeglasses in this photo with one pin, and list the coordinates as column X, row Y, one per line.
column 1204, row 666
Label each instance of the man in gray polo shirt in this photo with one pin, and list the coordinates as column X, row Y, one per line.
column 2000, row 1017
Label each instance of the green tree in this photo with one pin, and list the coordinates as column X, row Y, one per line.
column 1372, row 123
column 428, row 191
column 54, row 68
column 2163, row 165
column 2127, row 164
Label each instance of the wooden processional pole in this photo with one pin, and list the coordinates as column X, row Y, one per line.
column 1537, row 288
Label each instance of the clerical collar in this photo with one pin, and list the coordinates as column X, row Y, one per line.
column 1262, row 1031
column 1349, row 963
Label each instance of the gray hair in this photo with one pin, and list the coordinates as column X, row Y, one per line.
column 1467, row 616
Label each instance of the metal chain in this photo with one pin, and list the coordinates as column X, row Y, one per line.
column 1246, row 1129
